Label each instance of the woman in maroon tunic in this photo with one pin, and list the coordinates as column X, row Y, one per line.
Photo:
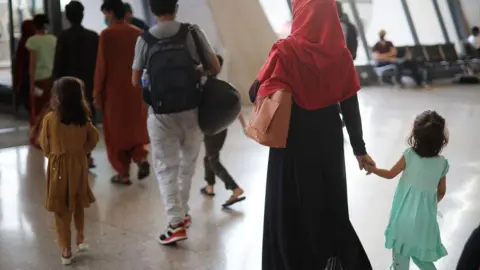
column 21, row 78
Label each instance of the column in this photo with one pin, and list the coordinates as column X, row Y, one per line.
column 247, row 37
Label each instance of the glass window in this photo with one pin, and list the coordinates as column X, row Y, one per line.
column 278, row 14
column 388, row 15
column 5, row 54
column 37, row 7
column 21, row 11
column 426, row 22
column 376, row 15
column 63, row 4
column 449, row 23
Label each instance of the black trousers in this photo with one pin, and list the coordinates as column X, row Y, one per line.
column 213, row 167
column 306, row 220
column 402, row 66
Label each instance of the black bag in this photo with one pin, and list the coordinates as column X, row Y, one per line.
column 219, row 106
column 220, row 102
column 173, row 76
column 466, row 79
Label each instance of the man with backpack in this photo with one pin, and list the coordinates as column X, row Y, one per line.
column 174, row 57
column 349, row 31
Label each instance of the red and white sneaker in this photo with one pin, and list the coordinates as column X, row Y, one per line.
column 187, row 222
column 173, row 235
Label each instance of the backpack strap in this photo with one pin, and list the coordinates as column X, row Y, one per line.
column 149, row 38
column 180, row 36
column 198, row 46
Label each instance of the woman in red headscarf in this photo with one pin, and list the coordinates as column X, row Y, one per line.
column 21, row 78
column 307, row 224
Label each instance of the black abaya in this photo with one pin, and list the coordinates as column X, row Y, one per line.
column 307, row 224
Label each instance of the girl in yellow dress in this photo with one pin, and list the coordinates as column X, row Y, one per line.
column 66, row 138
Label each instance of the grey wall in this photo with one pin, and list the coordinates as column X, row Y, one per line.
column 471, row 9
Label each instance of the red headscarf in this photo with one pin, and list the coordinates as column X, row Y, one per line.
column 313, row 61
column 22, row 55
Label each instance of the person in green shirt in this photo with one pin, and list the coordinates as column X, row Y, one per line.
column 41, row 47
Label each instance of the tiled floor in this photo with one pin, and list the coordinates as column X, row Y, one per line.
column 124, row 223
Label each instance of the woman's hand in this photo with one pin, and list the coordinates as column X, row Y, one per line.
column 365, row 162
column 243, row 123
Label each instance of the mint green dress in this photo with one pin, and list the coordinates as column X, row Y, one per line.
column 413, row 228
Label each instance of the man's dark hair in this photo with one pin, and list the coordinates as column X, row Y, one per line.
column 74, row 12
column 115, row 6
column 475, row 30
column 128, row 8
column 163, row 7
column 40, row 21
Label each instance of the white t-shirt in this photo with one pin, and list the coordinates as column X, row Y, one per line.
column 475, row 41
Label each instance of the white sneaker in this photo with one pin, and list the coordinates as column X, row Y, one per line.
column 82, row 247
column 67, row 261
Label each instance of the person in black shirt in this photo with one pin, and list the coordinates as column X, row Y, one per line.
column 76, row 54
column 385, row 53
column 134, row 20
column 349, row 31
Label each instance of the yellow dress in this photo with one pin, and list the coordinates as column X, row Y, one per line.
column 66, row 147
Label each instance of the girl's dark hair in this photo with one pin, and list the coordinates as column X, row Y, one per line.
column 69, row 102
column 429, row 134
column 40, row 21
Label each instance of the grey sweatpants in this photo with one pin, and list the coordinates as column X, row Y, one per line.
column 175, row 140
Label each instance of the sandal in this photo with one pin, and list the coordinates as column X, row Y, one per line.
column 121, row 179
column 206, row 193
column 233, row 200
column 143, row 170
column 91, row 163
column 67, row 261
column 83, row 247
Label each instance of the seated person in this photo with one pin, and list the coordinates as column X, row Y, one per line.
column 474, row 38
column 385, row 53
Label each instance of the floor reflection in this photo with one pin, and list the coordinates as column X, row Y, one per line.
column 123, row 225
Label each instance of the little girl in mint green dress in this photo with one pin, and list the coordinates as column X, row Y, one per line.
column 412, row 231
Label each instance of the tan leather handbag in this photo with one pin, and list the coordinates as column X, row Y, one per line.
column 270, row 119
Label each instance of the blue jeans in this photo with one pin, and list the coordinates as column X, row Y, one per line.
column 401, row 262
column 401, row 65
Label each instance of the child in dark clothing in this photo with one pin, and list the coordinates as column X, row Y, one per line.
column 213, row 167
